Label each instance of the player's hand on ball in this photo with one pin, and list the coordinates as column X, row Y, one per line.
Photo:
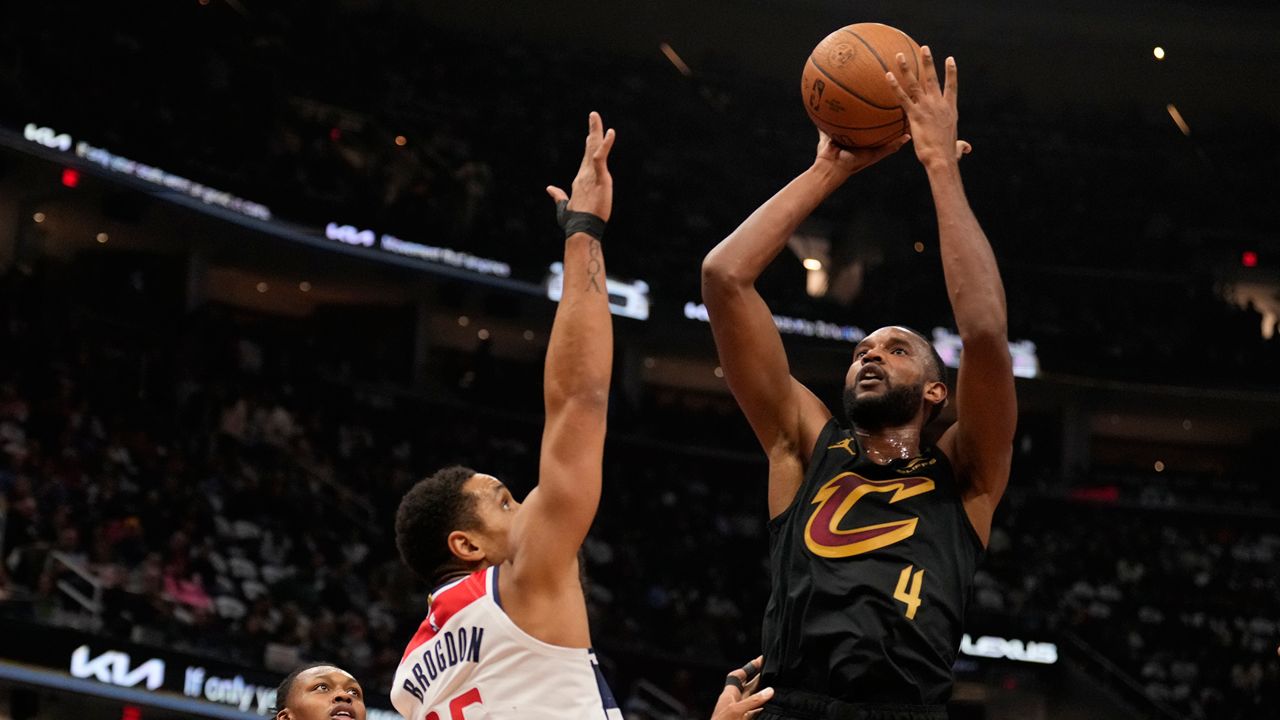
column 593, row 186
column 851, row 160
column 931, row 110
column 739, row 699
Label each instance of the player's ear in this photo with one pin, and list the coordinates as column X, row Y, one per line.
column 463, row 546
column 284, row 714
column 936, row 393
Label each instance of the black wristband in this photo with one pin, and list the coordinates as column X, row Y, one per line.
column 579, row 222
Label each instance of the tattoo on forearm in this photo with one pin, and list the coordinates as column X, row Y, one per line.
column 594, row 266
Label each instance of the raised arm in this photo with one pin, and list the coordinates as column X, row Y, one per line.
column 558, row 513
column 785, row 416
column 980, row 444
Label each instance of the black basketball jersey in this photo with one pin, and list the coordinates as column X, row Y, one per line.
column 872, row 568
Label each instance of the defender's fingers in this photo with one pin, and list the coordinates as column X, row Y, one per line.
column 602, row 152
column 909, row 81
column 755, row 701
column 930, row 71
column 903, row 98
column 952, row 81
column 556, row 193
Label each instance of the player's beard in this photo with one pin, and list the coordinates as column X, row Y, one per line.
column 895, row 407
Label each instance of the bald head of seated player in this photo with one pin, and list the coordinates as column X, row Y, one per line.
column 320, row 691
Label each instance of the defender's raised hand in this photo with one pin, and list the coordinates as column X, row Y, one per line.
column 593, row 186
column 931, row 111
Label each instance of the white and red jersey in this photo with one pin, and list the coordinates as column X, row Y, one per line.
column 469, row 661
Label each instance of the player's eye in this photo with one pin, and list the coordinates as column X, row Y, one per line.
column 900, row 351
column 859, row 354
column 320, row 686
column 355, row 691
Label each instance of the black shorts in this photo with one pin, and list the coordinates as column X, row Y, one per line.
column 800, row 705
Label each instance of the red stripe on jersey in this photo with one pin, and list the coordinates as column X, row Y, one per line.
column 445, row 605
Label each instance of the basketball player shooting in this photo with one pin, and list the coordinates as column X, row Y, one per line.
column 506, row 633
column 874, row 536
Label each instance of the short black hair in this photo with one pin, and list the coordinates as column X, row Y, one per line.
column 433, row 508
column 938, row 371
column 286, row 685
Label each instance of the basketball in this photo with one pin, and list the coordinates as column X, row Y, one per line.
column 844, row 88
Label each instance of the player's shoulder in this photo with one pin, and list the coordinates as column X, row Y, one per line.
column 453, row 596
column 448, row 601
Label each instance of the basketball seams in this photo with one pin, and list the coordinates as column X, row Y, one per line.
column 841, row 85
column 866, row 44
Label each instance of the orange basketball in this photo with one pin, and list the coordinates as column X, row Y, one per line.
column 844, row 88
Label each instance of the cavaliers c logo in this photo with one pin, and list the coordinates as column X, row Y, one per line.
column 823, row 535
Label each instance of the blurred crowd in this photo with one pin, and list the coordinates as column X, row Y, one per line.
column 232, row 497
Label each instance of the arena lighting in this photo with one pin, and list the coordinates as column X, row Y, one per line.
column 918, row 247
column 1158, row 52
column 675, row 59
column 102, row 238
column 463, row 320
column 38, row 217
column 263, row 287
column 1159, row 466
column 70, row 177
column 1178, row 120
column 812, row 264
column 990, row 646
column 483, row 334
column 1249, row 258
column 402, row 140
column 130, row 712
column 304, row 286
column 792, row 326
column 528, row 335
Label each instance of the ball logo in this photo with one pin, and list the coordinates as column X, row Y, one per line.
column 842, row 54
column 815, row 95
column 823, row 535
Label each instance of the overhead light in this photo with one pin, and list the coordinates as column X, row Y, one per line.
column 1249, row 258
column 38, row 217
column 918, row 247
column 1159, row 466
column 675, row 59
column 1178, row 120
column 463, row 320
column 483, row 334
column 719, row 371
column 1158, row 52
column 304, row 286
column 528, row 335
column 102, row 237
column 262, row 287
column 812, row 264
column 402, row 140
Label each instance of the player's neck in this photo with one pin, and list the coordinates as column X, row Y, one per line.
column 884, row 445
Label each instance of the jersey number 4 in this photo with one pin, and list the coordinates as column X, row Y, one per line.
column 458, row 704
column 910, row 597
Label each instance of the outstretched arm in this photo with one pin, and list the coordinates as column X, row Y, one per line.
column 980, row 444
column 558, row 513
column 785, row 416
